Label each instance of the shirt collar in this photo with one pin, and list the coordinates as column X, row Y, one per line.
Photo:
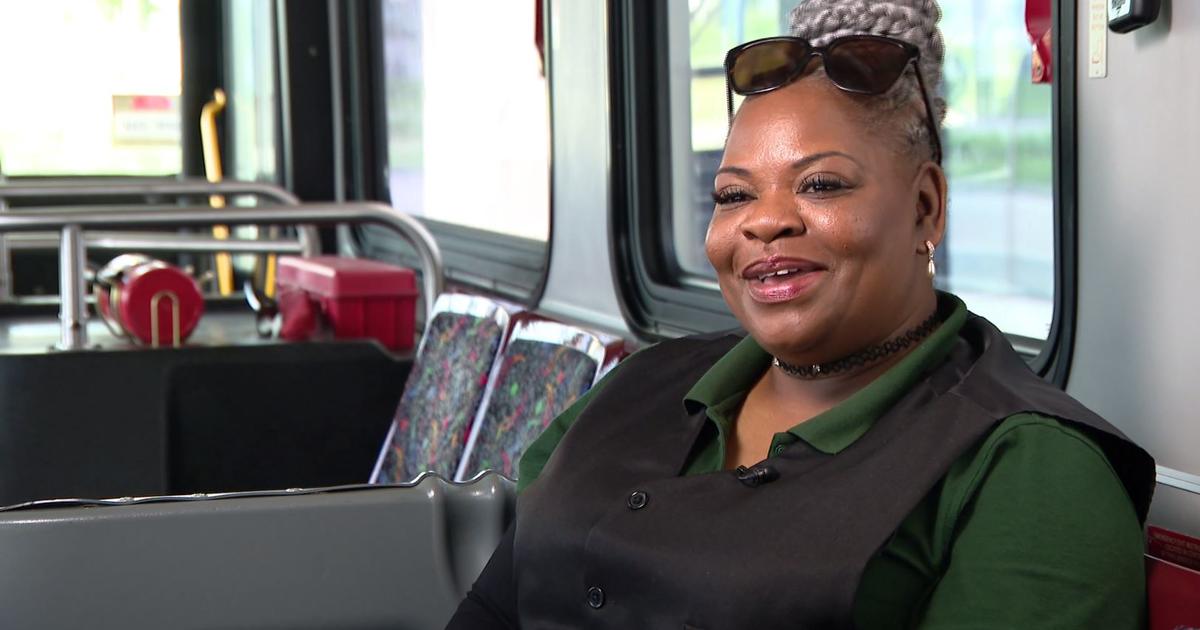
column 732, row 376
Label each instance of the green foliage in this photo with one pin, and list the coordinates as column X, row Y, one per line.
column 405, row 99
column 712, row 33
column 1001, row 155
column 112, row 8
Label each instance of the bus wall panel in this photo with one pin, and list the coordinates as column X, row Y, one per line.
column 579, row 286
column 1137, row 347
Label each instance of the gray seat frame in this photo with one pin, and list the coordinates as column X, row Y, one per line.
column 346, row 557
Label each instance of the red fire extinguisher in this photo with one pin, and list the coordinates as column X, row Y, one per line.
column 147, row 300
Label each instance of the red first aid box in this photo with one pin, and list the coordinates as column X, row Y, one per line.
column 358, row 298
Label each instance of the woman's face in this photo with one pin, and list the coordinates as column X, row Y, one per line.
column 818, row 232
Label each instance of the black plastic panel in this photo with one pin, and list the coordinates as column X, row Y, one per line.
column 143, row 422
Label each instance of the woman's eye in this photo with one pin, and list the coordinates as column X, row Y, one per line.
column 822, row 184
column 728, row 196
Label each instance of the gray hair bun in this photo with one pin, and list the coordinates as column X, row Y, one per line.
column 914, row 21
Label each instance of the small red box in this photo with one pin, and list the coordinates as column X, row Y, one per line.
column 359, row 298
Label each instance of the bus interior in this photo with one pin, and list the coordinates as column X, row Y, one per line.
column 215, row 215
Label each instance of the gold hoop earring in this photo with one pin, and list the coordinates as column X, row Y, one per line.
column 932, row 268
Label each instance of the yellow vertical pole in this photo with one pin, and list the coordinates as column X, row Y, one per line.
column 269, row 282
column 212, row 170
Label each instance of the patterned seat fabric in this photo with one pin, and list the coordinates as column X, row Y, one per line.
column 538, row 380
column 442, row 397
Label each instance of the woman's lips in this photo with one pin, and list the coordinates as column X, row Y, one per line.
column 781, row 288
column 778, row 279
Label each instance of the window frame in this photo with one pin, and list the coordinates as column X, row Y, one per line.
column 659, row 300
column 656, row 305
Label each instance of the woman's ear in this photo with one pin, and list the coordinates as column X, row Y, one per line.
column 931, row 189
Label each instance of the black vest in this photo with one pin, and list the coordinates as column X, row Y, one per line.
column 611, row 536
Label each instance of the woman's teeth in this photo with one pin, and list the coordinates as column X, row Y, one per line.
column 781, row 272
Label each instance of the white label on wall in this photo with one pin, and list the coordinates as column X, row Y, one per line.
column 146, row 119
column 1098, row 37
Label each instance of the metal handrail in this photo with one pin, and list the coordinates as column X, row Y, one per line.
column 308, row 237
column 145, row 242
column 72, row 221
column 59, row 188
column 1178, row 479
column 72, row 187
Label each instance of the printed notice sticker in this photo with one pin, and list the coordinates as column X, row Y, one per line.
column 1098, row 37
column 1118, row 8
column 1173, row 547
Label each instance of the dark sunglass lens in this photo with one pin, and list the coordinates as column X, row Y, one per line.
column 767, row 65
column 866, row 65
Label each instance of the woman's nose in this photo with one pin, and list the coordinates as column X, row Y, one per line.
column 773, row 218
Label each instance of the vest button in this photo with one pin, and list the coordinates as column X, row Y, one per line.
column 637, row 500
column 595, row 597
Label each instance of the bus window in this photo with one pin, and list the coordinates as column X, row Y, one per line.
column 998, row 141
column 91, row 87
column 253, row 98
column 999, row 156
column 467, row 114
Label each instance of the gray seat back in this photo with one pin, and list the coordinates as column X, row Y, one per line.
column 349, row 557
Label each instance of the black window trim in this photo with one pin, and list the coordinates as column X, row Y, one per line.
column 642, row 253
column 1054, row 361
column 658, row 300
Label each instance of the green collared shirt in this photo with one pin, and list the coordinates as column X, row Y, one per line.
column 1030, row 529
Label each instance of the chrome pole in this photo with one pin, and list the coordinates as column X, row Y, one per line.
column 309, row 237
column 6, row 276
column 71, row 187
column 72, row 313
column 156, row 242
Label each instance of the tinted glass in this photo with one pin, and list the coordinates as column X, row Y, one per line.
column 253, row 98
column 865, row 65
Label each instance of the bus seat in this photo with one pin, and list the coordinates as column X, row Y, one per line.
column 442, row 397
column 344, row 557
column 544, row 368
column 615, row 351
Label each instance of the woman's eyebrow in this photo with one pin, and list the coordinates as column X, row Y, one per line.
column 809, row 159
column 734, row 170
column 795, row 166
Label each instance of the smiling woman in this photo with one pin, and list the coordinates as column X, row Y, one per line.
column 999, row 251
column 870, row 454
column 824, row 197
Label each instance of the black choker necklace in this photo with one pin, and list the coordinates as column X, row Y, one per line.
column 864, row 357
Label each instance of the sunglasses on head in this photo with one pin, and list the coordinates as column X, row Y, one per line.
column 860, row 64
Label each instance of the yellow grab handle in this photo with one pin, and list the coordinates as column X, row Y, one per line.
column 212, row 170
column 269, row 289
